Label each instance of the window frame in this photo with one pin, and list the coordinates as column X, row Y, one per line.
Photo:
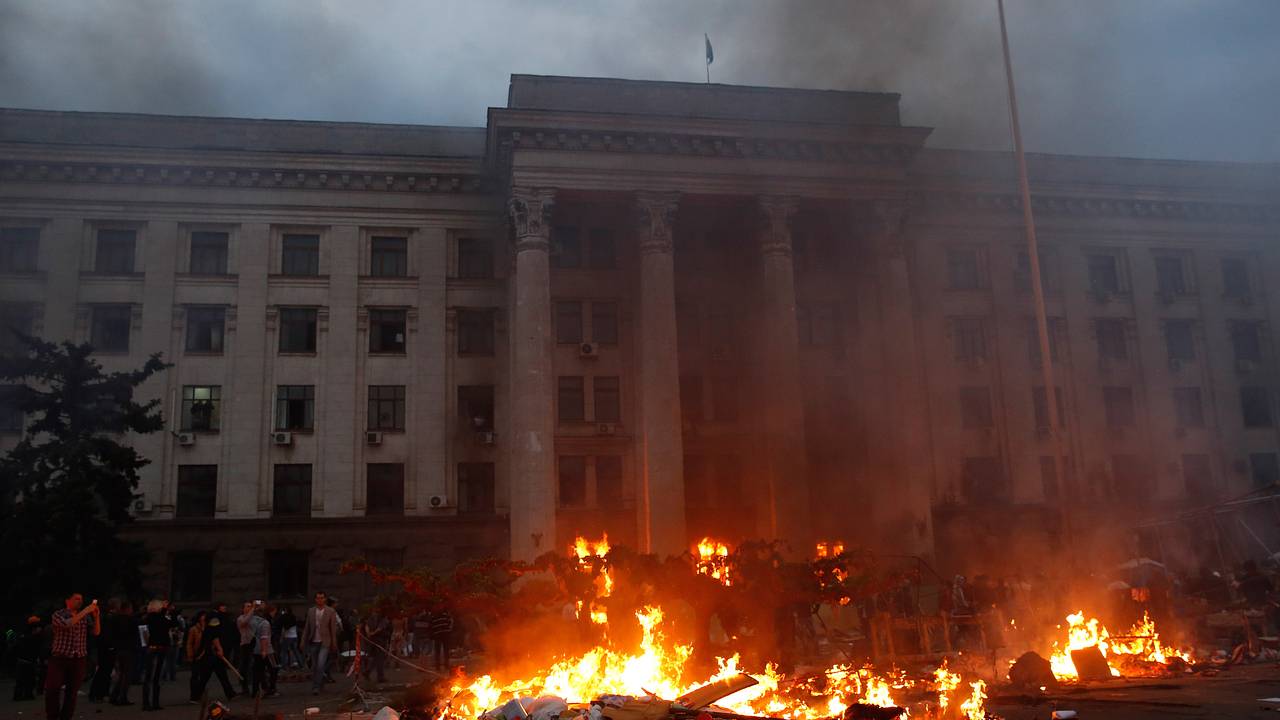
column 607, row 397
column 287, row 317
column 398, row 403
column 378, row 257
column 303, row 259
column 393, row 503
column 97, row 329
column 571, row 399
column 202, row 317
column 112, row 263
column 476, row 330
column 200, row 492
column 283, row 409
column 193, row 237
column 301, row 489
column 20, row 249
column 475, row 257
column 383, row 320
column 187, row 414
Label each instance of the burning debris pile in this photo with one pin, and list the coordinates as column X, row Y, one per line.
column 1137, row 653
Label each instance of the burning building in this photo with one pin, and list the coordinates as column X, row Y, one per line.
column 657, row 310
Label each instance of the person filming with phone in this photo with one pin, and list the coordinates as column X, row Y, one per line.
column 68, row 655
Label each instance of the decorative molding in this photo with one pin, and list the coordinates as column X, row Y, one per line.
column 655, row 216
column 888, row 220
column 1108, row 207
column 243, row 177
column 530, row 210
column 723, row 146
column 776, row 212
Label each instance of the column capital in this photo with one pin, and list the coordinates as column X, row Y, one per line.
column 776, row 212
column 530, row 210
column 655, row 216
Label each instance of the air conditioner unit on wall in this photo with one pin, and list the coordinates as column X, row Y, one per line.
column 141, row 505
column 186, row 438
column 373, row 438
column 589, row 350
column 438, row 501
column 486, row 437
column 606, row 429
column 281, row 438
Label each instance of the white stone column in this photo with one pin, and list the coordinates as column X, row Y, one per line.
column 532, row 443
column 783, row 420
column 661, row 473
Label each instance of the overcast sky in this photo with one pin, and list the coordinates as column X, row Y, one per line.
column 1195, row 79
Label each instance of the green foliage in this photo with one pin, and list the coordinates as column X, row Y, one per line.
column 66, row 488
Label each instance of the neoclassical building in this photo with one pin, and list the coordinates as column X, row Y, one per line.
column 657, row 310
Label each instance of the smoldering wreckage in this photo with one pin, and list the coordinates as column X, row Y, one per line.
column 601, row 633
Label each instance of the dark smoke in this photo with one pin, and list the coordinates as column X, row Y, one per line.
column 1153, row 78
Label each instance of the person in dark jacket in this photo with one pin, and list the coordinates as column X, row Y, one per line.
column 26, row 655
column 100, row 687
column 125, row 631
column 210, row 659
column 158, row 625
column 442, row 636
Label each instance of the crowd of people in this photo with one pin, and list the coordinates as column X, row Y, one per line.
column 120, row 646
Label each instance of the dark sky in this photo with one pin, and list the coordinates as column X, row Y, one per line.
column 1196, row 79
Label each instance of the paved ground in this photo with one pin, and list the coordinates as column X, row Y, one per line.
column 1232, row 694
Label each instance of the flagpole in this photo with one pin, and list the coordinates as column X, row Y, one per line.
column 1065, row 493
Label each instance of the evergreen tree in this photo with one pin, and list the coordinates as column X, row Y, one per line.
column 66, row 488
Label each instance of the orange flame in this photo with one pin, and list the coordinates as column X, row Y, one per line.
column 1142, row 642
column 713, row 560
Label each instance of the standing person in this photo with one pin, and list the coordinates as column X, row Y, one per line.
column 100, row 687
column 67, row 658
column 126, row 632
column 441, row 636
column 158, row 626
column 377, row 630
column 263, row 657
column 26, row 653
column 192, row 648
column 211, row 659
column 227, row 632
column 320, row 631
column 177, row 628
column 422, row 634
column 244, row 657
column 398, row 635
column 290, row 655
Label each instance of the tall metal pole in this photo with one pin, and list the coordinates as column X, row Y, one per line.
column 1037, row 290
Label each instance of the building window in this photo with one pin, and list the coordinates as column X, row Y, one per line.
column 1197, row 478
column 475, row 258
column 724, row 398
column 201, row 408
column 1179, row 340
column 1104, row 274
column 1038, row 401
column 975, row 407
column 573, row 481
column 818, row 326
column 205, row 329
column 16, row 320
column 1173, row 277
column 295, row 407
column 606, row 397
column 388, row 256
column 475, row 407
column 982, row 480
column 12, row 419
column 1112, row 343
column 1057, row 332
column 300, row 255
column 387, row 331
column 19, row 247
column 1129, row 481
column 1264, row 469
column 609, row 481
column 115, row 253
column 1119, row 406
column 475, row 489
column 1255, row 406
column 964, row 269
column 208, row 253
column 1246, row 341
column 1049, row 477
column 291, row 494
column 604, row 323
column 384, row 493
column 386, row 407
column 568, row 322
column 475, row 332
column 197, row 491
column 1022, row 273
column 192, row 577
column 602, row 250
column 970, row 339
column 566, row 247
column 1236, row 282
column 287, row 572
column 109, row 331
column 1188, row 407
column 297, row 330
column 570, row 399
column 691, row 398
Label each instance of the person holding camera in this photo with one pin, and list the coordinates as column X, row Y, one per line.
column 68, row 655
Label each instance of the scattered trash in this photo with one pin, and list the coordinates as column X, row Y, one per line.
column 1031, row 670
column 386, row 713
column 1063, row 715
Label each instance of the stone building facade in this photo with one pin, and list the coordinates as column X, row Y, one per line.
column 657, row 310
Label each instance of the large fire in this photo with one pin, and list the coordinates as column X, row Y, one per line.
column 1139, row 647
column 661, row 668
